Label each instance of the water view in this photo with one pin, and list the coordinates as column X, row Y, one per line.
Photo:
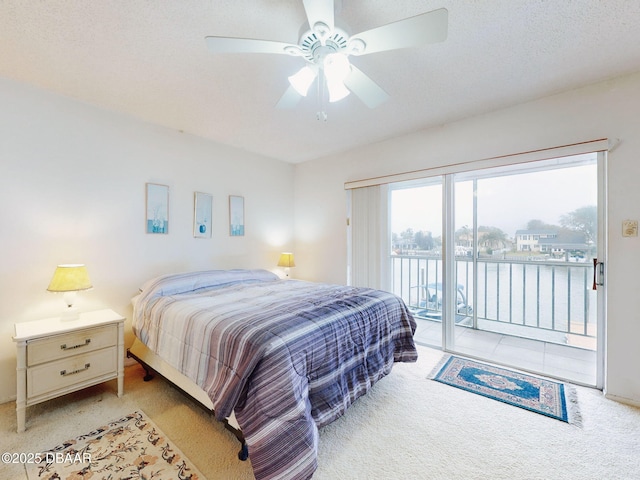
column 525, row 238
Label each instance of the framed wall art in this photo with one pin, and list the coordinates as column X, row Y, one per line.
column 202, row 208
column 157, row 216
column 236, row 216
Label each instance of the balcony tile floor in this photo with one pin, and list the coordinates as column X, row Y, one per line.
column 565, row 362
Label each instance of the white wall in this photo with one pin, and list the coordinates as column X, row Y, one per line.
column 610, row 109
column 72, row 190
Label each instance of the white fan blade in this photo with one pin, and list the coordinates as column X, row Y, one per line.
column 319, row 11
column 430, row 27
column 249, row 45
column 364, row 88
column 290, row 99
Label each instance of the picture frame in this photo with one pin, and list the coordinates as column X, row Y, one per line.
column 157, row 209
column 236, row 216
column 202, row 214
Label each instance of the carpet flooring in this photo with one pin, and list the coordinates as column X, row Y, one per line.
column 407, row 427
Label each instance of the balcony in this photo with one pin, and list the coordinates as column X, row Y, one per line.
column 530, row 312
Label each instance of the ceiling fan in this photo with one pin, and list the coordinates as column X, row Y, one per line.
column 326, row 48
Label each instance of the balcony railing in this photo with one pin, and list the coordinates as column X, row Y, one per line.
column 525, row 297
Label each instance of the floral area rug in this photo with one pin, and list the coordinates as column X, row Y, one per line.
column 540, row 395
column 131, row 447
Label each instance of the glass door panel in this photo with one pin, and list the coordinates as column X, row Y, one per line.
column 525, row 239
column 416, row 253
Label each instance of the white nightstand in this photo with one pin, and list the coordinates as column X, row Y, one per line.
column 56, row 357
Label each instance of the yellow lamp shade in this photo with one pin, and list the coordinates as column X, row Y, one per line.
column 70, row 278
column 286, row 260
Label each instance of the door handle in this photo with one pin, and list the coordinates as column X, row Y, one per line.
column 598, row 273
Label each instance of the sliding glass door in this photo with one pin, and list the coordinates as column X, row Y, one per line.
column 526, row 236
column 516, row 283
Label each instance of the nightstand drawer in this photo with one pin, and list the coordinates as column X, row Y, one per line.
column 73, row 343
column 56, row 376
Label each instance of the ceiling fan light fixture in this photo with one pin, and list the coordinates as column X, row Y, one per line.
column 337, row 91
column 326, row 48
column 303, row 79
column 336, row 68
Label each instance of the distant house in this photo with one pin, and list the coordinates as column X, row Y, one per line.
column 529, row 240
column 552, row 242
column 564, row 242
column 404, row 245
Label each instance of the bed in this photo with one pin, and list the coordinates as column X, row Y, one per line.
column 275, row 359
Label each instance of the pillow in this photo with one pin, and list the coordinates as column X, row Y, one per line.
column 173, row 284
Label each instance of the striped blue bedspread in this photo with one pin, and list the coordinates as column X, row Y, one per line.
column 286, row 356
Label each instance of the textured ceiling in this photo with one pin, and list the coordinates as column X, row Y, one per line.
column 149, row 60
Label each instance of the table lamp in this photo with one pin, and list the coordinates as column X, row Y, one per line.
column 69, row 279
column 286, row 261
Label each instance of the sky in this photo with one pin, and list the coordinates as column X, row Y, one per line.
column 507, row 201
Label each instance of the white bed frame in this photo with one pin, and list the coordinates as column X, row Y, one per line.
column 153, row 363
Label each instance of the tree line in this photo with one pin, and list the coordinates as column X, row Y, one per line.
column 583, row 220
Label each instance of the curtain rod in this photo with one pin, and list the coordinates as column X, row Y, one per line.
column 601, row 144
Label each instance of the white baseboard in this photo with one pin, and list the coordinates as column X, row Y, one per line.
column 12, row 398
column 626, row 401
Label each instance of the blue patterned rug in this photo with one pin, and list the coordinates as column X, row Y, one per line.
column 540, row 395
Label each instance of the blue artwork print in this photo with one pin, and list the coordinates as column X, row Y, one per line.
column 157, row 208
column 202, row 215
column 236, row 216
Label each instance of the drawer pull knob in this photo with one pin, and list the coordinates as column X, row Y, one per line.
column 64, row 373
column 86, row 342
